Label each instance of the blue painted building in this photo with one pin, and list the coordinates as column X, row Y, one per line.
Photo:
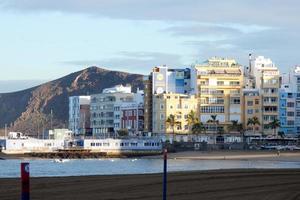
column 287, row 112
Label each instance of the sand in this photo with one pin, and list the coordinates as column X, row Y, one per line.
column 208, row 185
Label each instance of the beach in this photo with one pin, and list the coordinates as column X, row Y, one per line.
column 208, row 185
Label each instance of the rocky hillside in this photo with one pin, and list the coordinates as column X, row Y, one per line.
column 25, row 109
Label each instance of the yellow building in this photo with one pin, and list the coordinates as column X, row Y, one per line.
column 252, row 108
column 179, row 105
column 218, row 84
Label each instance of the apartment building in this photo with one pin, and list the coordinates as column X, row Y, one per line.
column 79, row 114
column 289, row 103
column 267, row 81
column 179, row 105
column 252, row 108
column 107, row 108
column 218, row 84
column 163, row 80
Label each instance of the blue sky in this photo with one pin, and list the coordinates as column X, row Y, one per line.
column 44, row 40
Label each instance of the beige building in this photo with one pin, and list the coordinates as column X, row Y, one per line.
column 252, row 108
column 218, row 84
column 179, row 105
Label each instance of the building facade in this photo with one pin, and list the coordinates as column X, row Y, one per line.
column 132, row 118
column 79, row 114
column 179, row 105
column 289, row 103
column 252, row 108
column 106, row 108
column 218, row 84
column 267, row 81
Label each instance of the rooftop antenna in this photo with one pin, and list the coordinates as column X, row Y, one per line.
column 250, row 58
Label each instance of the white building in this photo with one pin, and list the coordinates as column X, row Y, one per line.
column 166, row 80
column 267, row 81
column 118, row 89
column 106, row 108
column 79, row 114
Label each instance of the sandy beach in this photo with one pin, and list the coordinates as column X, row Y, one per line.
column 208, row 185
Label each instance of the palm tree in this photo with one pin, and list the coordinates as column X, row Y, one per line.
column 198, row 127
column 274, row 125
column 192, row 119
column 235, row 126
column 253, row 122
column 171, row 123
column 214, row 121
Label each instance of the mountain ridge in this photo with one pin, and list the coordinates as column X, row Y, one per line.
column 29, row 106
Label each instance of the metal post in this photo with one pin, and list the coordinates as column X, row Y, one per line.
column 51, row 118
column 165, row 176
column 25, row 181
column 5, row 131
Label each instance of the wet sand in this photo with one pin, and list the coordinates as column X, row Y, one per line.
column 208, row 185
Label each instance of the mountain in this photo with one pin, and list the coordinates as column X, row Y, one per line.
column 27, row 109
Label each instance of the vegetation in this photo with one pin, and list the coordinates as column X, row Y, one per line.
column 123, row 132
column 214, row 121
column 274, row 125
column 198, row 128
column 235, row 126
column 172, row 123
column 253, row 122
column 192, row 119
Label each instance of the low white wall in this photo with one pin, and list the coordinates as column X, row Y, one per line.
column 29, row 145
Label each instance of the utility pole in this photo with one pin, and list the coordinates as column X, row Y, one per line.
column 5, row 131
column 51, row 116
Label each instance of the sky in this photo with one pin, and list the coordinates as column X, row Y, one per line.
column 44, row 40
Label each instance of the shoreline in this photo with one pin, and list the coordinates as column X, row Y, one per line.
column 234, row 155
column 196, row 155
column 214, row 184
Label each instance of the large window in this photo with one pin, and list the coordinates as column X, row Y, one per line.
column 212, row 109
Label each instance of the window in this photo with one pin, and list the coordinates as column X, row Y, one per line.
column 250, row 111
column 186, row 127
column 161, row 127
column 234, row 83
column 290, row 114
column 290, row 104
column 220, row 82
column 161, row 106
column 212, row 109
column 256, row 101
column 162, row 116
column 235, row 100
column 290, row 122
column 249, row 103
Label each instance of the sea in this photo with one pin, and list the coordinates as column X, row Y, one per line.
column 82, row 167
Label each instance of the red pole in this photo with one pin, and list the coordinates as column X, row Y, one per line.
column 25, row 181
column 165, row 175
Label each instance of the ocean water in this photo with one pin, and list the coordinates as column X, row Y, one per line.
column 82, row 167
